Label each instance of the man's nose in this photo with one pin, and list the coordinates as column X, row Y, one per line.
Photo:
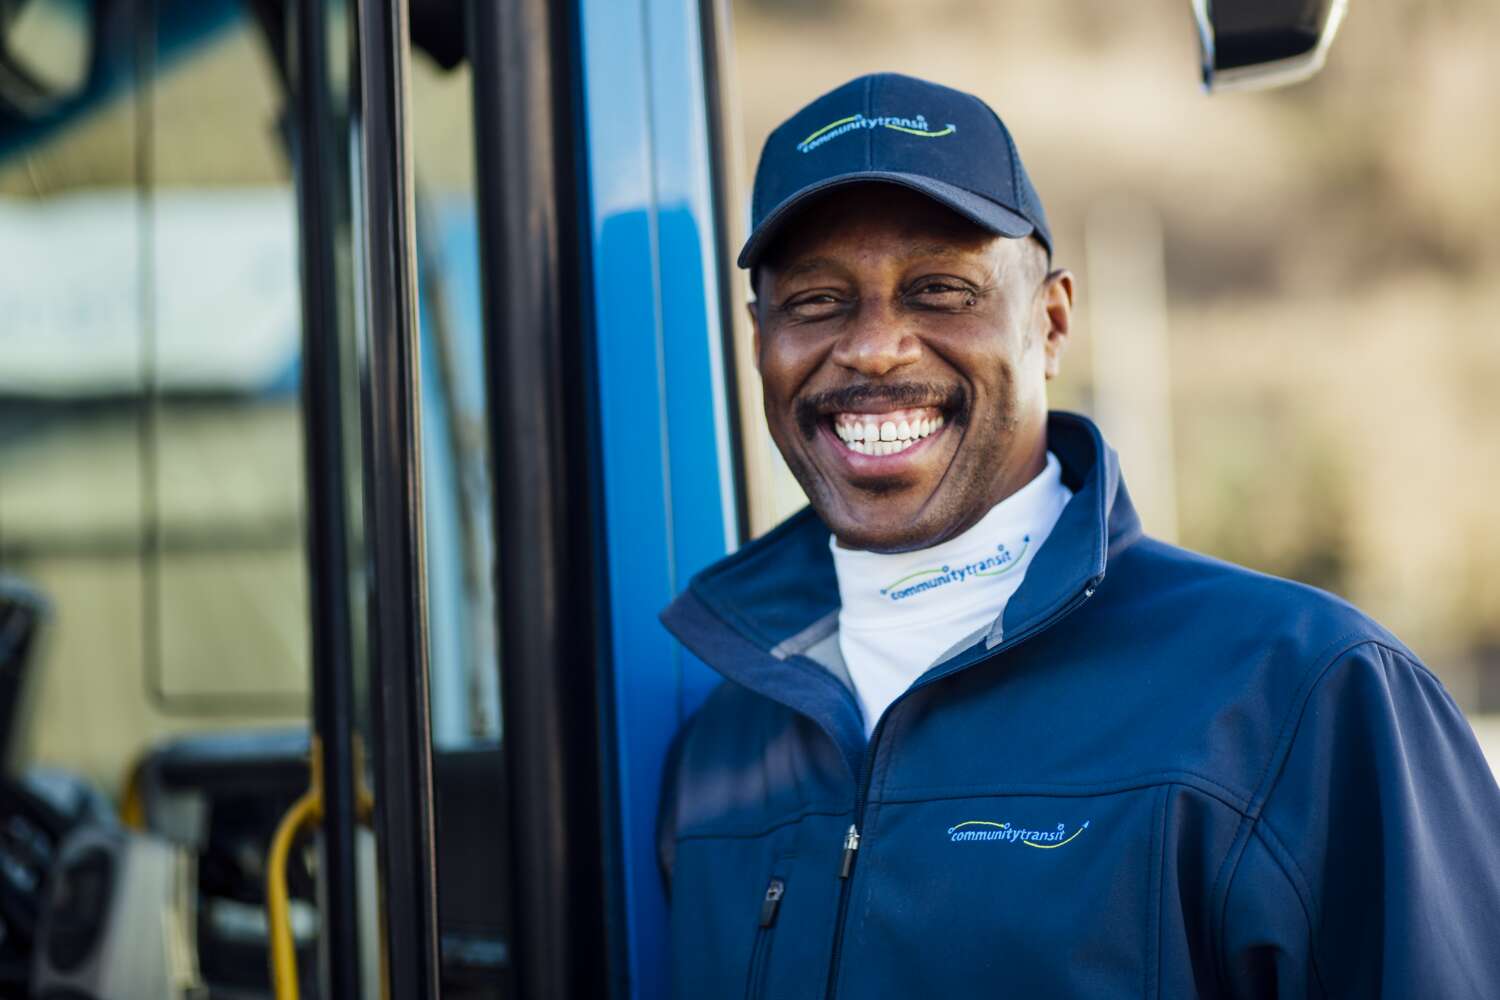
column 876, row 342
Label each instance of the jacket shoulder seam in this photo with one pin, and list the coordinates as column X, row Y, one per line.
column 1326, row 658
column 1271, row 778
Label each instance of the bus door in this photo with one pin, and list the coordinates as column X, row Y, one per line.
column 361, row 403
column 407, row 665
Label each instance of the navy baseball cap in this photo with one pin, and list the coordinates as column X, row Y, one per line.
column 946, row 144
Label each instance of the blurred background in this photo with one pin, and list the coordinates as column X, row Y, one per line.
column 1287, row 299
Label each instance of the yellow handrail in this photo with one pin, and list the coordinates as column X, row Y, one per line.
column 132, row 799
column 305, row 813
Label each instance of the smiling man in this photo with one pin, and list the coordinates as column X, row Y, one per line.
column 981, row 735
column 904, row 351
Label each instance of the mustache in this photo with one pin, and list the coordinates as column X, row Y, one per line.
column 951, row 399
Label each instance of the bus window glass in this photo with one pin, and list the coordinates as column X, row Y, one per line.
column 151, row 470
column 462, row 634
column 70, row 490
column 219, row 371
column 149, row 416
column 473, row 896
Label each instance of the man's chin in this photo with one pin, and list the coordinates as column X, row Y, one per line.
column 878, row 513
column 890, row 525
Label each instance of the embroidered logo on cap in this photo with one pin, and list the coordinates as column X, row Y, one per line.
column 911, row 126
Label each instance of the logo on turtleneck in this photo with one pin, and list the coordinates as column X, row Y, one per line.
column 923, row 580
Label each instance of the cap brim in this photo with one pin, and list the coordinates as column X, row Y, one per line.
column 977, row 209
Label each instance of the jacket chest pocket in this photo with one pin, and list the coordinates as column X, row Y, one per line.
column 754, row 918
column 1025, row 896
column 760, row 953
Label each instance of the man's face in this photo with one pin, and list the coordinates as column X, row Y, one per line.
column 880, row 314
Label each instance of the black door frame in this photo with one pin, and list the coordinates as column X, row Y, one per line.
column 540, row 386
column 401, row 728
column 321, row 165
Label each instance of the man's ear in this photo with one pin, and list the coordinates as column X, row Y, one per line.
column 753, row 309
column 1057, row 312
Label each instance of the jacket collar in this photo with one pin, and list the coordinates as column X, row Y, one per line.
column 738, row 614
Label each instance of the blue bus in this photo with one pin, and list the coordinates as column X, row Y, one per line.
column 369, row 379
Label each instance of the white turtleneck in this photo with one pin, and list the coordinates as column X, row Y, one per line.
column 901, row 611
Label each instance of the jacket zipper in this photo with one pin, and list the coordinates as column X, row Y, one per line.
column 852, row 836
column 851, row 844
column 760, row 955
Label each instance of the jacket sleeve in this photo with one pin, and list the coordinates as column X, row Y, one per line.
column 1373, row 868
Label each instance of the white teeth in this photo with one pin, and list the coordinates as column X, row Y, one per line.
column 886, row 438
column 889, row 447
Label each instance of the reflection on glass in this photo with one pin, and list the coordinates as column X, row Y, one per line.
column 149, row 418
column 220, row 362
column 463, row 644
column 151, row 474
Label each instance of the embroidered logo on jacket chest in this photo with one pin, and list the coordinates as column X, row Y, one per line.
column 989, row 831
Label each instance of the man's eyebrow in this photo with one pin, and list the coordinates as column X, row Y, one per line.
column 805, row 265
column 909, row 251
column 931, row 250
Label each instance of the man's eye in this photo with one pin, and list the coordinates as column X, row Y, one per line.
column 944, row 291
column 815, row 305
column 941, row 295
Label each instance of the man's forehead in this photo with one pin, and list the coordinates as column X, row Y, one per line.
column 895, row 220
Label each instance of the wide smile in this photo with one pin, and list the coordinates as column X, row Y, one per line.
column 883, row 442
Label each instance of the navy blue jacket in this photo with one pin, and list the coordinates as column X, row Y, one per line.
column 1158, row 775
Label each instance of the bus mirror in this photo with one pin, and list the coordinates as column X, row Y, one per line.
column 1251, row 44
column 46, row 49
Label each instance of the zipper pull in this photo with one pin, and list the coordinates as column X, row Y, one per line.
column 851, row 844
column 775, row 889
